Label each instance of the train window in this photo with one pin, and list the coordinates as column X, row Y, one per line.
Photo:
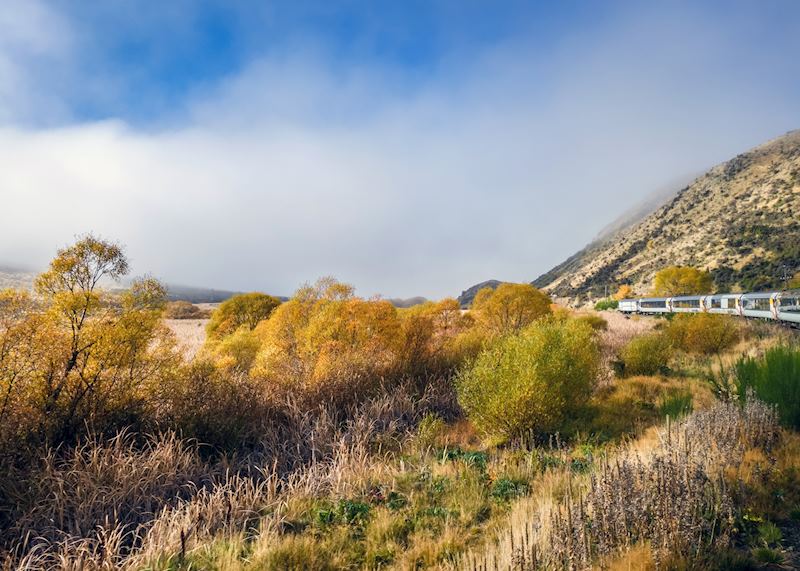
column 654, row 304
column 686, row 303
column 790, row 304
column 756, row 304
column 716, row 303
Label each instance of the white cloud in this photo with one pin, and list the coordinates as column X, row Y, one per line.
column 291, row 169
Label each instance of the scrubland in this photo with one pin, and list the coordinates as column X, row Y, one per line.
column 335, row 432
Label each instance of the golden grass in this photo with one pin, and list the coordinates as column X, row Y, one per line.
column 190, row 335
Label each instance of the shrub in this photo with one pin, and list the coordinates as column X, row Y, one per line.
column 624, row 292
column 183, row 310
column 327, row 343
column 703, row 333
column 510, row 307
column 646, row 355
column 225, row 411
column 775, row 379
column 606, row 304
column 247, row 309
column 596, row 322
column 677, row 405
column 677, row 280
column 531, row 381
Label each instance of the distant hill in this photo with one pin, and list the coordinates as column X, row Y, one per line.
column 406, row 303
column 468, row 295
column 740, row 220
column 16, row 277
column 197, row 294
column 19, row 278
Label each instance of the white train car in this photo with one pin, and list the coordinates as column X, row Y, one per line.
column 780, row 306
column 787, row 306
column 758, row 305
column 727, row 303
column 687, row 304
column 654, row 305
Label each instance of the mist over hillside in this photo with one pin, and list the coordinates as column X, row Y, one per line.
column 739, row 220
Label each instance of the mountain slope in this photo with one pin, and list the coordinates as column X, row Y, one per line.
column 740, row 220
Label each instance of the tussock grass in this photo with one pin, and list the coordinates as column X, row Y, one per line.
column 672, row 496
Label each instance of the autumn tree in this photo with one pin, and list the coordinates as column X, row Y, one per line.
column 510, row 307
column 794, row 283
column 435, row 334
column 624, row 292
column 77, row 354
column 247, row 309
column 326, row 341
column 677, row 280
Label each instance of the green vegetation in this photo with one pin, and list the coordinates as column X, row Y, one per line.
column 332, row 431
column 703, row 333
column 243, row 310
column 773, row 378
column 531, row 382
column 606, row 304
column 647, row 355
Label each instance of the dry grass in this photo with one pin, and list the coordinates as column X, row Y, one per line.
column 122, row 503
column 621, row 329
column 671, row 495
column 190, row 335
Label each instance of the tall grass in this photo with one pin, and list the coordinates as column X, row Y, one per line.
column 123, row 503
column 670, row 494
column 773, row 378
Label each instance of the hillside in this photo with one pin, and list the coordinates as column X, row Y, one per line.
column 740, row 220
column 13, row 277
column 17, row 278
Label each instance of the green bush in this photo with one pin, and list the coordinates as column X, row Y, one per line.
column 774, row 378
column 703, row 333
column 605, row 304
column 594, row 321
column 533, row 381
column 245, row 309
column 646, row 355
column 676, row 405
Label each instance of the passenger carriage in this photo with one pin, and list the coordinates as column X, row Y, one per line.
column 727, row 303
column 787, row 306
column 781, row 306
column 687, row 304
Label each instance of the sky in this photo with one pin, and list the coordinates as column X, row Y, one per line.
column 408, row 148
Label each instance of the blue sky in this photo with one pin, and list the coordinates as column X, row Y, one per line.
column 406, row 147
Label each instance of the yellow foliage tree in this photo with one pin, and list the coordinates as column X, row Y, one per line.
column 677, row 280
column 77, row 355
column 510, row 307
column 243, row 310
column 436, row 334
column 624, row 292
column 794, row 283
column 325, row 336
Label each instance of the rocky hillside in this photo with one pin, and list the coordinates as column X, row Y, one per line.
column 740, row 220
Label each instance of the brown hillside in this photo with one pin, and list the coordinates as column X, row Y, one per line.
column 740, row 220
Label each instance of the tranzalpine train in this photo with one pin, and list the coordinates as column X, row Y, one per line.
column 778, row 305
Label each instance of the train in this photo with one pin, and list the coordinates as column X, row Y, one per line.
column 781, row 306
